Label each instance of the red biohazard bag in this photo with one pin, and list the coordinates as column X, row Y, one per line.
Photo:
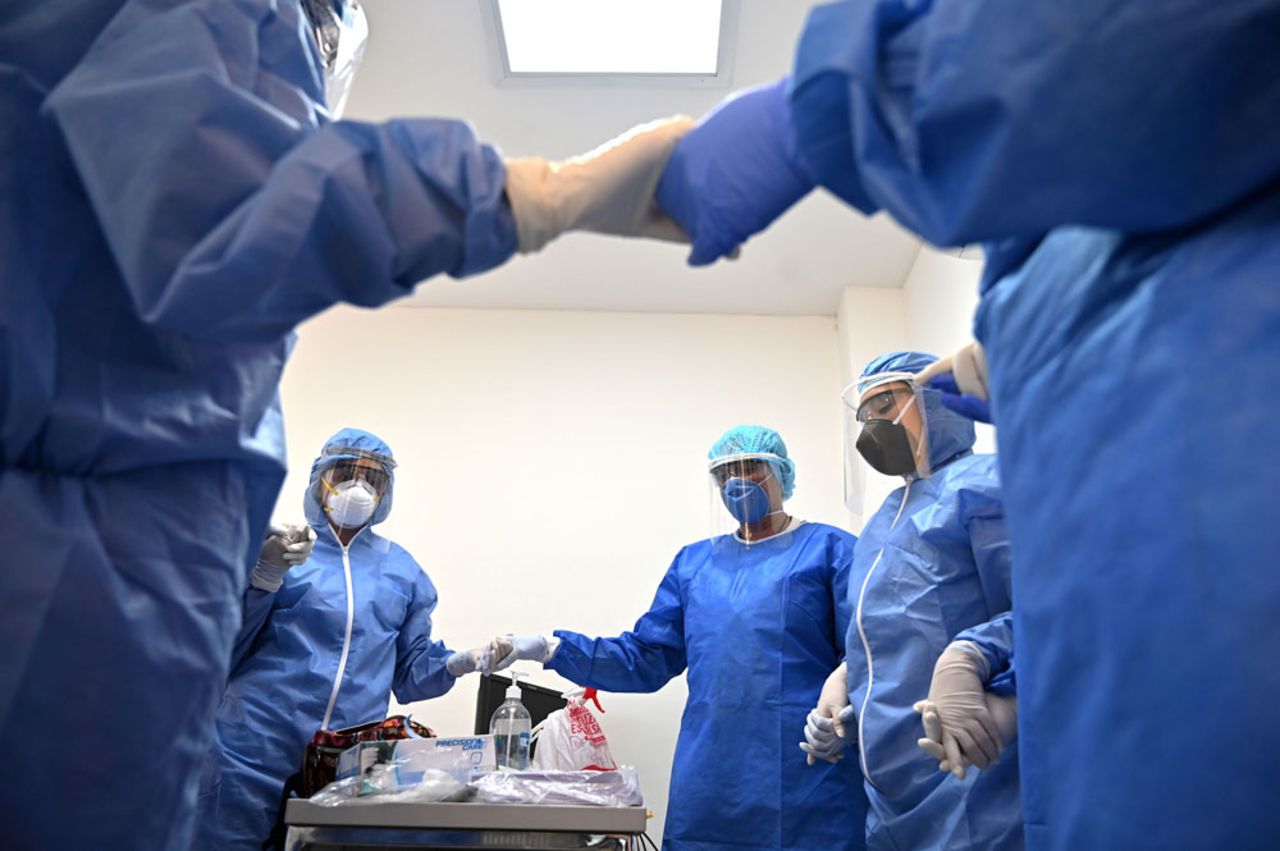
column 570, row 739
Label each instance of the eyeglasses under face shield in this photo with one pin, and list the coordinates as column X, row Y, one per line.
column 886, row 402
column 360, row 464
column 754, row 469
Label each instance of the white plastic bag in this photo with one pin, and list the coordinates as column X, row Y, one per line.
column 570, row 739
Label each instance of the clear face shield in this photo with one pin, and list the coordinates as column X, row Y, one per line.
column 352, row 488
column 341, row 33
column 885, row 427
column 745, row 498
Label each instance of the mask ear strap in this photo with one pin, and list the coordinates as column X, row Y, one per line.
column 330, row 488
column 904, row 410
column 920, row 444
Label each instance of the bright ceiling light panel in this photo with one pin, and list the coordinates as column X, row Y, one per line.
column 611, row 36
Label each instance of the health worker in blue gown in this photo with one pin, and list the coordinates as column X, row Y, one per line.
column 758, row 618
column 930, row 587
column 175, row 196
column 1117, row 162
column 323, row 645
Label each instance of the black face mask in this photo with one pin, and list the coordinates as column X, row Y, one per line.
column 887, row 447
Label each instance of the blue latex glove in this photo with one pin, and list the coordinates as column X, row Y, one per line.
column 962, row 403
column 734, row 173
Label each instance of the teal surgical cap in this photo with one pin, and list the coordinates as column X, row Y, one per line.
column 747, row 439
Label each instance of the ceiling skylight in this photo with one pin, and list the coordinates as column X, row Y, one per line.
column 611, row 36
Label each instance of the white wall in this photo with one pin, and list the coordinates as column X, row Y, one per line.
column 932, row 312
column 939, row 297
column 552, row 463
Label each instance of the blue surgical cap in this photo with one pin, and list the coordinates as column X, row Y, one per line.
column 898, row 362
column 745, row 439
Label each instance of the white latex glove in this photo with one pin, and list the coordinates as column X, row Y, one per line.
column 506, row 650
column 829, row 727
column 465, row 662
column 609, row 190
column 283, row 547
column 968, row 366
column 945, row 749
column 958, row 698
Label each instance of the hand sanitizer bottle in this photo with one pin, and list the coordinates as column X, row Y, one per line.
column 510, row 728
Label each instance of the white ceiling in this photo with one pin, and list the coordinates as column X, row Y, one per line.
column 440, row 57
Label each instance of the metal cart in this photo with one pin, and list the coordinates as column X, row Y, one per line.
column 463, row 825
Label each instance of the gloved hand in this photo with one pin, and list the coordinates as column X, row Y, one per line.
column 736, row 172
column 283, row 547
column 830, row 725
column 962, row 403
column 506, row 650
column 944, row 748
column 962, row 378
column 465, row 662
column 964, row 724
column 608, row 190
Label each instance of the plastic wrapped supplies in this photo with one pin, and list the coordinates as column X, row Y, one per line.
column 462, row 769
column 618, row 788
column 380, row 786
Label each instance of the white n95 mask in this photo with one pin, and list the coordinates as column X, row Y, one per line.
column 351, row 504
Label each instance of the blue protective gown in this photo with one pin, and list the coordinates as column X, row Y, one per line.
column 759, row 628
column 289, row 653
column 932, row 566
column 1119, row 161
column 173, row 201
